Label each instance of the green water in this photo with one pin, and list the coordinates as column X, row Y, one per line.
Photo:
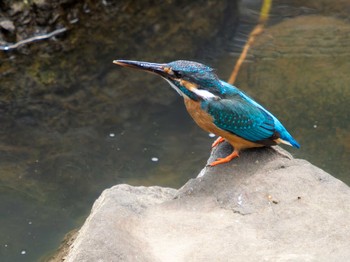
column 69, row 134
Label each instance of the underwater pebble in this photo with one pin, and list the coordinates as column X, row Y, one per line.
column 111, row 135
column 23, row 252
column 211, row 135
column 7, row 25
column 315, row 126
column 154, row 159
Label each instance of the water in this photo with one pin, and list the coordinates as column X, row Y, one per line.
column 77, row 124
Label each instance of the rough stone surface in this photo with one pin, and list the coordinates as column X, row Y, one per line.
column 263, row 206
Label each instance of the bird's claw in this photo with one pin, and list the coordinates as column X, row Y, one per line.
column 227, row 159
column 218, row 141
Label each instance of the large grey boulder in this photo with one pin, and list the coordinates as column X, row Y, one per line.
column 262, row 206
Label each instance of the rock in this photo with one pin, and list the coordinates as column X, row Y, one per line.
column 7, row 25
column 112, row 224
column 263, row 206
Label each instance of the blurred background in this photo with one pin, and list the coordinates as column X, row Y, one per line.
column 73, row 124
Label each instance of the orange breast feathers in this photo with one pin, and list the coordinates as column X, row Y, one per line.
column 206, row 122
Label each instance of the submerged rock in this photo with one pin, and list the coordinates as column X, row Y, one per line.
column 264, row 206
column 302, row 65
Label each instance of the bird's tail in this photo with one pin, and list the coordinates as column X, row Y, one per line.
column 292, row 143
column 287, row 139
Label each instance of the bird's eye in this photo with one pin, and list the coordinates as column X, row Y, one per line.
column 177, row 74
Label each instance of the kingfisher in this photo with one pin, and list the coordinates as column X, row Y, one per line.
column 218, row 107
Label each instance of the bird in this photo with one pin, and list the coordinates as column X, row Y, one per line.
column 219, row 107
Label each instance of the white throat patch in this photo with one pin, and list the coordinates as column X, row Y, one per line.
column 204, row 94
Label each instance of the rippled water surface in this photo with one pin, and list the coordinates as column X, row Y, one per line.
column 67, row 134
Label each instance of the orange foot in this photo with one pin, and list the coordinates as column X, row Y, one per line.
column 217, row 141
column 218, row 161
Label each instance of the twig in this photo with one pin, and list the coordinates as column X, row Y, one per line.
column 32, row 39
column 264, row 15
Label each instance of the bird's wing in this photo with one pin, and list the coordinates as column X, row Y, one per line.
column 241, row 117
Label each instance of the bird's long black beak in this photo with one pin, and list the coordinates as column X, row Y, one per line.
column 159, row 69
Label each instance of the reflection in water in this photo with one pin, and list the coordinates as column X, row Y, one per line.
column 68, row 134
